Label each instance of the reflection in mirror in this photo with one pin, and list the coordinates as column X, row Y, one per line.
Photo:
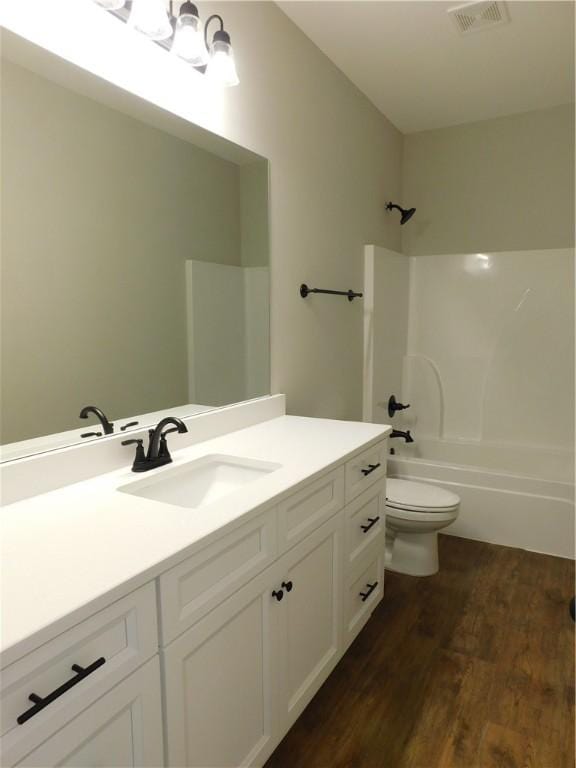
column 134, row 267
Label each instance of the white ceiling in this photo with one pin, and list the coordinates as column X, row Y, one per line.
column 413, row 64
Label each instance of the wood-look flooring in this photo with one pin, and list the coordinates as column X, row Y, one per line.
column 473, row 667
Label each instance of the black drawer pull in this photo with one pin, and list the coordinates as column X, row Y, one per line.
column 40, row 703
column 371, row 588
column 371, row 468
column 278, row 594
column 371, row 522
column 287, row 586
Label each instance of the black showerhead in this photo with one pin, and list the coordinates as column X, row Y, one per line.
column 407, row 213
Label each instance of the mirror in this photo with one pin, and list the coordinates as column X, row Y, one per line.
column 135, row 259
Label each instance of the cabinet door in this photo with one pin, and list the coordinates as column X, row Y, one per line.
column 123, row 728
column 309, row 643
column 218, row 677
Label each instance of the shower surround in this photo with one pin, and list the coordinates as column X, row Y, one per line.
column 482, row 346
column 491, row 347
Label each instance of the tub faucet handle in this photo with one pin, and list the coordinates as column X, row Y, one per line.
column 394, row 405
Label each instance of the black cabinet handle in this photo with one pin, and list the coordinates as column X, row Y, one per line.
column 278, row 594
column 40, row 702
column 371, row 522
column 287, row 586
column 371, row 468
column 371, row 588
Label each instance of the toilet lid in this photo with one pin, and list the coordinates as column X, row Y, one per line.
column 406, row 494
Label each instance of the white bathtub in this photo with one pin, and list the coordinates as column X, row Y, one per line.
column 518, row 496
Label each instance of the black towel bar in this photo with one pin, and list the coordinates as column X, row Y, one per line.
column 351, row 295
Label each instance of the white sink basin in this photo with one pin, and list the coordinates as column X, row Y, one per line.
column 200, row 482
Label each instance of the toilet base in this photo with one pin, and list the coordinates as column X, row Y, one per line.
column 415, row 554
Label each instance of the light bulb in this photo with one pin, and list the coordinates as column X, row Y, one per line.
column 188, row 41
column 111, row 5
column 150, row 17
column 221, row 68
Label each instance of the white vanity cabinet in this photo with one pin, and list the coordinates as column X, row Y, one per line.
column 238, row 678
column 211, row 663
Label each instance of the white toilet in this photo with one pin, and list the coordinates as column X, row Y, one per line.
column 415, row 512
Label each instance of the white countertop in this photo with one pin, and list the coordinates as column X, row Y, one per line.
column 68, row 553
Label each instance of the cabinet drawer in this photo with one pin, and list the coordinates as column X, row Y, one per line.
column 365, row 522
column 122, row 728
column 189, row 590
column 125, row 635
column 362, row 596
column 307, row 509
column 365, row 469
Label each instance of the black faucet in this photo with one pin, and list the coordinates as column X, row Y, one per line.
column 406, row 435
column 158, row 454
column 101, row 416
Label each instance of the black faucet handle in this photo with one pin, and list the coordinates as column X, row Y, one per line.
column 163, row 452
column 140, row 458
column 91, row 434
column 127, row 426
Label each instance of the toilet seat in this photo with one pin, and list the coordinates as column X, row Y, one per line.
column 422, row 516
column 419, row 498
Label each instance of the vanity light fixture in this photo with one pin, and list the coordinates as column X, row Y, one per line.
column 151, row 18
column 221, row 67
column 110, row 5
column 189, row 41
column 182, row 34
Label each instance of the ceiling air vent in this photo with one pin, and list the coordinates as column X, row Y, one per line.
column 472, row 17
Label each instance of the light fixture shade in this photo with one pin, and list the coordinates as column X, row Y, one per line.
column 188, row 41
column 221, row 67
column 111, row 5
column 150, row 17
